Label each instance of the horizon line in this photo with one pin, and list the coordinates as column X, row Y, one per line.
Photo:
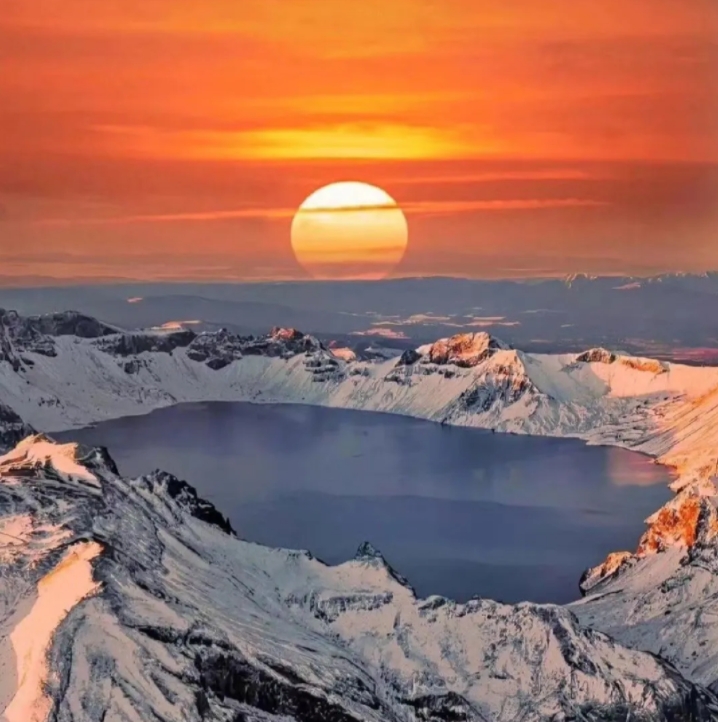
column 6, row 282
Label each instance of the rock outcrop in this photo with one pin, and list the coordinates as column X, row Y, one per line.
column 465, row 349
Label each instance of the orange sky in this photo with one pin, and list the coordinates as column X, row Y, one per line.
column 174, row 139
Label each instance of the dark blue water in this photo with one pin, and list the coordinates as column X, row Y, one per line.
column 460, row 512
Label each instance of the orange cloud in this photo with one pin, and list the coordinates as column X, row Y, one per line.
column 347, row 140
column 523, row 174
column 411, row 208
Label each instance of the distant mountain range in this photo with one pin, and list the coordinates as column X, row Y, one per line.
column 132, row 599
column 667, row 316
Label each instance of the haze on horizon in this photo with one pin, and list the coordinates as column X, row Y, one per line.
column 169, row 139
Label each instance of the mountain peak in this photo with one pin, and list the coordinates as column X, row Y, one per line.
column 597, row 355
column 366, row 551
column 464, row 349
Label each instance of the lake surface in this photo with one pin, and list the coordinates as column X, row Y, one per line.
column 460, row 512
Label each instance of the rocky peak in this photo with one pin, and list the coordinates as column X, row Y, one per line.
column 367, row 553
column 71, row 323
column 688, row 521
column 610, row 566
column 62, row 323
column 20, row 335
column 604, row 356
column 597, row 355
column 137, row 342
column 409, row 357
column 465, row 349
column 186, row 497
column 35, row 334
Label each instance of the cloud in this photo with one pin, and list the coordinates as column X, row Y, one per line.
column 421, row 208
column 517, row 204
column 361, row 140
column 429, row 319
column 628, row 286
column 218, row 215
column 490, row 321
column 499, row 175
column 382, row 332
column 175, row 325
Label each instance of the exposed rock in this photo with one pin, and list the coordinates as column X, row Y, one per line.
column 133, row 344
column 597, row 355
column 688, row 521
column 229, row 676
column 644, row 364
column 504, row 385
column 408, row 358
column 220, row 348
column 450, row 707
column 12, row 428
column 133, row 366
column 685, row 521
column 367, row 553
column 217, row 349
column 465, row 349
column 159, row 482
column 70, row 323
column 35, row 334
column 285, row 334
column 20, row 335
column 604, row 356
column 609, row 568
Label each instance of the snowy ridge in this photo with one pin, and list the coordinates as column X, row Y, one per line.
column 667, row 410
column 128, row 600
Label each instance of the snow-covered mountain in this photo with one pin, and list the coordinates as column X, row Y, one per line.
column 133, row 600
column 66, row 371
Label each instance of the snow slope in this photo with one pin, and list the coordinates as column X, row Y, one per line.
column 134, row 600
column 62, row 373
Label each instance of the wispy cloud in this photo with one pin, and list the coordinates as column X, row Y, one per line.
column 218, row 215
column 628, row 286
column 361, row 140
column 518, row 204
column 497, row 175
column 382, row 332
column 424, row 208
column 429, row 319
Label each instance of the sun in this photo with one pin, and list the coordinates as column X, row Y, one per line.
column 349, row 230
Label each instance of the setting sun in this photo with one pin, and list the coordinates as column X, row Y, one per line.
column 349, row 230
